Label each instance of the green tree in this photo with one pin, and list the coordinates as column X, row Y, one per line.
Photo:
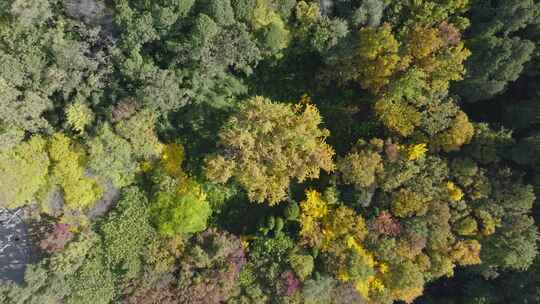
column 111, row 156
column 489, row 145
column 24, row 172
column 327, row 33
column 408, row 203
column 514, row 244
column 210, row 268
column 302, row 264
column 369, row 13
column 45, row 65
column 126, row 232
column 139, row 131
column 221, row 11
column 68, row 171
column 498, row 53
column 182, row 213
column 361, row 166
column 427, row 12
column 93, row 282
column 523, row 114
column 195, row 49
column 527, row 150
column 20, row 112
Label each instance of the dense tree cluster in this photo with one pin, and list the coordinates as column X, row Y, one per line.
column 271, row 151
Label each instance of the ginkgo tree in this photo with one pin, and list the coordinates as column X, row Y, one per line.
column 267, row 145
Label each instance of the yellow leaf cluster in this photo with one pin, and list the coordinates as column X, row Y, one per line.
column 267, row 144
column 489, row 223
column 80, row 191
column 467, row 252
column 307, row 12
column 328, row 228
column 416, row 152
column 263, row 15
column 314, row 206
column 398, row 116
column 422, row 42
column 305, row 99
column 337, row 231
column 79, row 116
column 383, row 268
column 366, row 256
column 372, row 283
column 146, row 166
column 455, row 192
column 377, row 57
column 460, row 133
column 23, row 172
column 313, row 209
column 172, row 158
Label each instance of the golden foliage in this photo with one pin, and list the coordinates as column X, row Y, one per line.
column 467, row 252
column 407, row 203
column 423, row 42
column 80, row 191
column 460, row 133
column 79, row 116
column 172, row 158
column 307, row 12
column 342, row 223
column 450, row 67
column 337, row 231
column 454, row 192
column 313, row 208
column 416, row 152
column 488, row 222
column 267, row 144
column 377, row 57
column 398, row 116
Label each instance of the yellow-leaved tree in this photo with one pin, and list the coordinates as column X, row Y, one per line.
column 68, row 171
column 266, row 145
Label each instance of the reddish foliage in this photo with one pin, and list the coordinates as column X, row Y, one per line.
column 57, row 239
column 346, row 293
column 162, row 293
column 210, row 287
column 415, row 243
column 290, row 283
column 449, row 34
column 210, row 269
column 392, row 151
column 386, row 224
column 123, row 110
column 238, row 259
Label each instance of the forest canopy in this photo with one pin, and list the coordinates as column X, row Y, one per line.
column 269, row 151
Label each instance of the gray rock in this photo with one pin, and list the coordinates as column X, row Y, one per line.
column 15, row 246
